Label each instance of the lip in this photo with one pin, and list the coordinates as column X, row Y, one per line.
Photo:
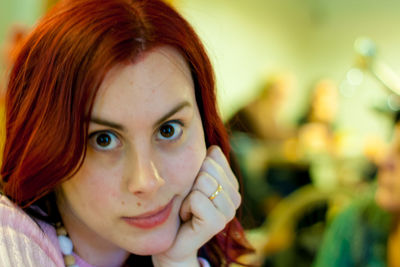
column 150, row 219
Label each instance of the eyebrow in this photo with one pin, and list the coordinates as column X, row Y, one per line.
column 172, row 112
column 117, row 126
column 107, row 123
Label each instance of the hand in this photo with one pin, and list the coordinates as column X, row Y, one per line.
column 202, row 217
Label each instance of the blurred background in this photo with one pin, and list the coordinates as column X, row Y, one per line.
column 309, row 90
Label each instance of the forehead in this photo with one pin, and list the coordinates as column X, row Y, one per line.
column 158, row 80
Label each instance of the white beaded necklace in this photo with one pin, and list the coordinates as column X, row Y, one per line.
column 66, row 245
column 67, row 248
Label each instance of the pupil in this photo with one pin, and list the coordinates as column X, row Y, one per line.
column 103, row 140
column 167, row 131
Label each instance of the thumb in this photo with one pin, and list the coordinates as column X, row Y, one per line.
column 185, row 211
column 201, row 219
column 199, row 214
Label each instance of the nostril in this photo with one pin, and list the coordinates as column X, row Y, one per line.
column 145, row 184
column 145, row 179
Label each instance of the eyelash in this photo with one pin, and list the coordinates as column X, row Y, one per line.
column 175, row 136
column 93, row 137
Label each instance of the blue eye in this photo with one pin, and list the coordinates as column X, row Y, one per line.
column 104, row 141
column 170, row 131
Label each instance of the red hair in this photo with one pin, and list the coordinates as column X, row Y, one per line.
column 54, row 81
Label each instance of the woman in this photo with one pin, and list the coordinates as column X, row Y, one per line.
column 113, row 138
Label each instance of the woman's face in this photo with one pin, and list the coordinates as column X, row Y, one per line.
column 145, row 148
column 388, row 192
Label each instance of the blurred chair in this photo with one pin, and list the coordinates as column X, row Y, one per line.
column 293, row 231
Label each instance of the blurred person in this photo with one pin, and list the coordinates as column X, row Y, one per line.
column 115, row 154
column 262, row 117
column 318, row 141
column 367, row 233
column 316, row 128
column 257, row 132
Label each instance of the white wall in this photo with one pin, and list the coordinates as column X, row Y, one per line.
column 310, row 38
column 16, row 12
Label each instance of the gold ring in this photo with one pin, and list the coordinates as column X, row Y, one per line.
column 219, row 189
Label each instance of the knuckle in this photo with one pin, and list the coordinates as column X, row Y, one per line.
column 205, row 181
column 213, row 167
column 238, row 200
column 236, row 183
column 231, row 213
column 219, row 155
column 206, row 164
column 203, row 174
column 204, row 178
column 215, row 151
column 209, row 162
column 219, row 224
column 195, row 197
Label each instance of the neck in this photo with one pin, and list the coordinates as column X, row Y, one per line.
column 92, row 248
column 96, row 254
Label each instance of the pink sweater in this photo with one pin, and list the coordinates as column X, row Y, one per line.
column 24, row 244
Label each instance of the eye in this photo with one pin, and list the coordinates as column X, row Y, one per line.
column 104, row 140
column 170, row 131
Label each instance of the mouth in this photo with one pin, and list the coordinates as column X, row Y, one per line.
column 151, row 219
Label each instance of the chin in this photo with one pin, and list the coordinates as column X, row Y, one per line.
column 156, row 248
column 158, row 241
column 157, row 245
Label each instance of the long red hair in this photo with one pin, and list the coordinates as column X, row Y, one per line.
column 54, row 81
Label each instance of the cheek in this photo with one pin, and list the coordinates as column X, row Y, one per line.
column 92, row 184
column 186, row 165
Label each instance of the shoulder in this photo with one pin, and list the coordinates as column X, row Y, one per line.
column 359, row 219
column 22, row 241
column 356, row 235
column 364, row 212
column 13, row 217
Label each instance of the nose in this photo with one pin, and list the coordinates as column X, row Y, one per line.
column 145, row 180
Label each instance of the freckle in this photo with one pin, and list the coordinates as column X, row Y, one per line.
column 138, row 204
column 123, row 203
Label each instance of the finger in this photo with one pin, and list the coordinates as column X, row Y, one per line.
column 185, row 212
column 212, row 169
column 225, row 205
column 206, row 221
column 205, row 214
column 226, row 201
column 215, row 153
column 203, row 183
